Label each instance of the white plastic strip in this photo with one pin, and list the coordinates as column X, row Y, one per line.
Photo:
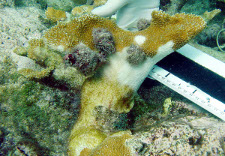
column 203, row 59
column 189, row 91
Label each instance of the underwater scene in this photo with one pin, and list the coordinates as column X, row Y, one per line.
column 112, row 77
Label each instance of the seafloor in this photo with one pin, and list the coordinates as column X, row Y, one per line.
column 36, row 115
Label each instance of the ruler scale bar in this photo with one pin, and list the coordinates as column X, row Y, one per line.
column 203, row 59
column 192, row 72
column 191, row 92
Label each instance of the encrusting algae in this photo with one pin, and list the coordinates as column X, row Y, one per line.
column 117, row 75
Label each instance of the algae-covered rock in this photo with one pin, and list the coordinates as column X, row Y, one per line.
column 181, row 136
column 33, row 116
column 18, row 26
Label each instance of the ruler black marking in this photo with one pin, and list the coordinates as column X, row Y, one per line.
column 195, row 74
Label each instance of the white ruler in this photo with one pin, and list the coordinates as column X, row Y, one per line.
column 203, row 59
column 191, row 92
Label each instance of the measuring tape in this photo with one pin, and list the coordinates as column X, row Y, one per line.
column 189, row 91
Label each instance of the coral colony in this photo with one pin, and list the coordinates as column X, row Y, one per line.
column 109, row 64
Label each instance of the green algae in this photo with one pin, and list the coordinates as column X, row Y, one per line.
column 31, row 110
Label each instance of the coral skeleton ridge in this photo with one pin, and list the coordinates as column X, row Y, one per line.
column 119, row 61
